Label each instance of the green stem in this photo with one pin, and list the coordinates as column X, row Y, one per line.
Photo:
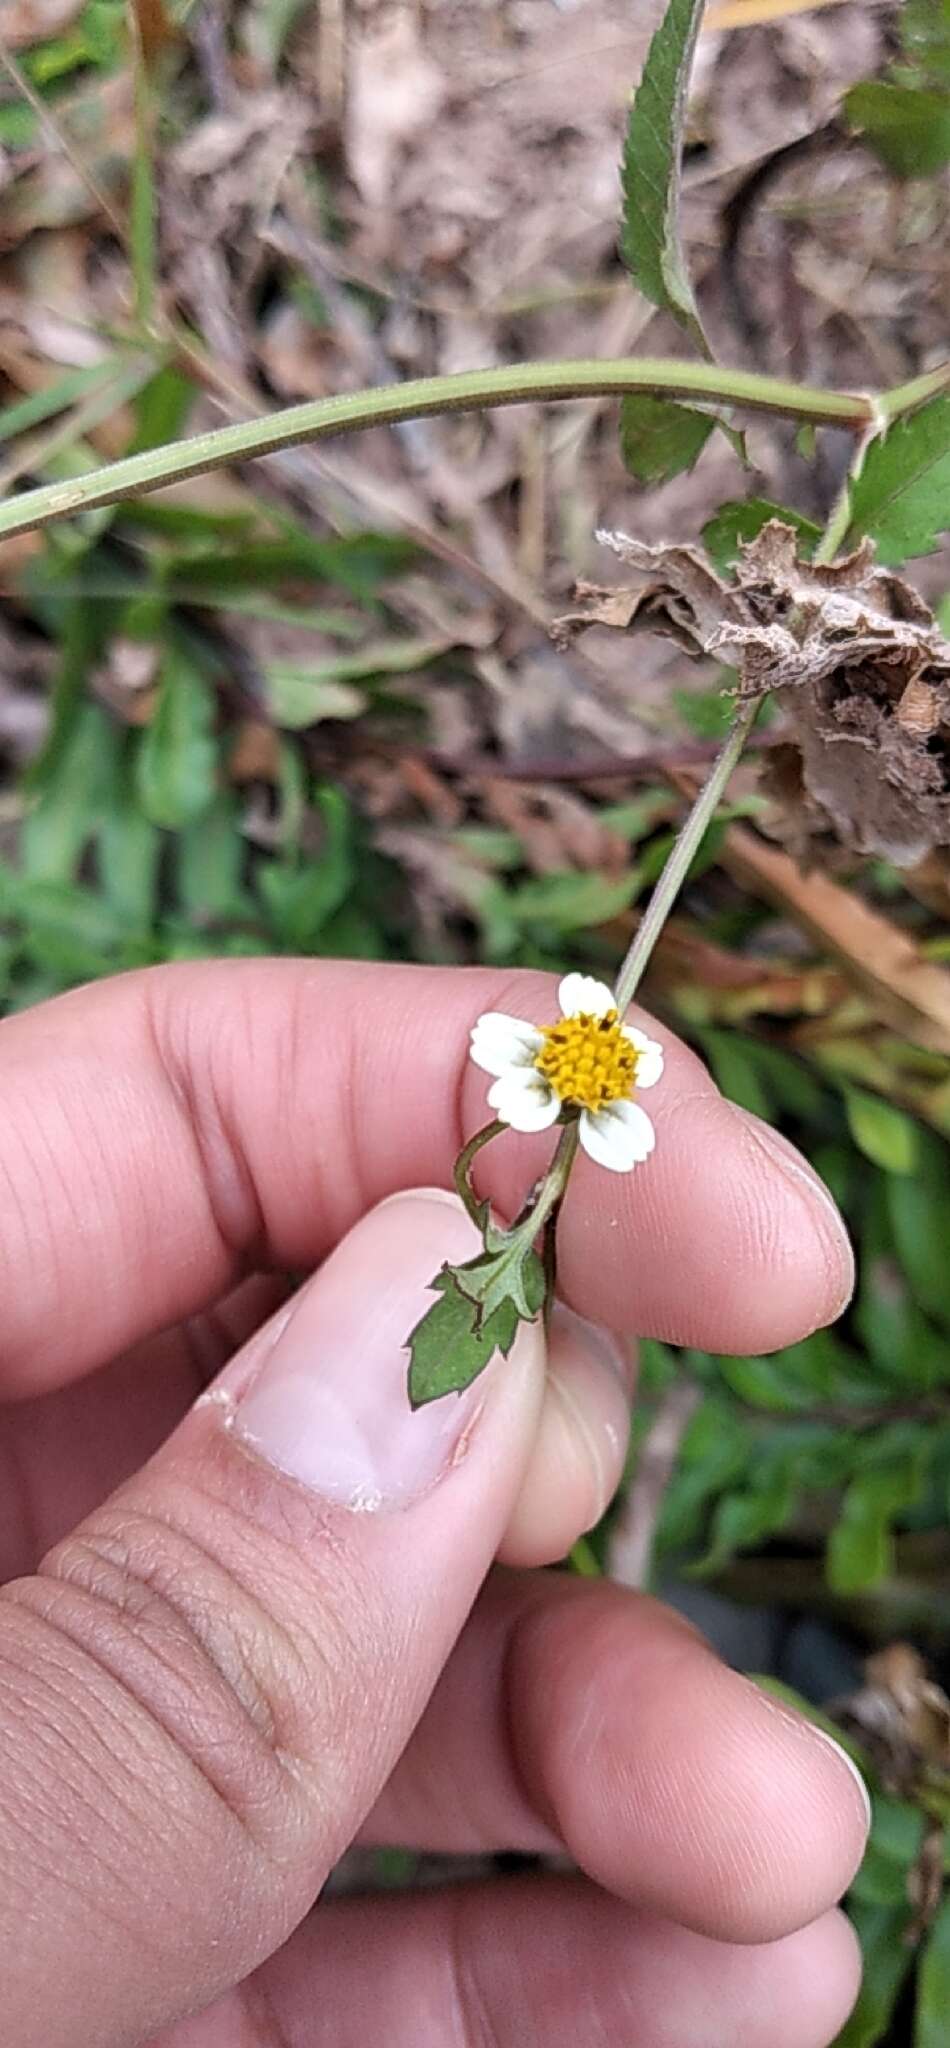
column 906, row 397
column 463, row 1167
column 681, row 859
column 511, row 384
column 551, row 1193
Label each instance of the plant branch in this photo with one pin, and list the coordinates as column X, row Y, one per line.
column 906, row 397
column 681, row 859
column 471, row 390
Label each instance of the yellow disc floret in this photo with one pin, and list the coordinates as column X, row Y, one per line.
column 588, row 1060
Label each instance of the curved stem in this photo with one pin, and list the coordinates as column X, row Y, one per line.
column 511, row 384
column 477, row 1210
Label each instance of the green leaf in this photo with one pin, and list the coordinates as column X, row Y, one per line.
column 887, row 1960
column 902, row 496
column 932, row 2017
column 66, row 816
column 452, row 1344
column 209, row 858
column 906, row 126
column 177, row 760
column 512, row 1271
column 302, row 897
column 919, row 1211
column 572, row 902
column 740, row 519
column 735, row 1072
column 299, row 699
column 659, row 439
column 884, row 1134
column 128, row 850
column 860, row 1548
column 651, row 168
column 925, row 34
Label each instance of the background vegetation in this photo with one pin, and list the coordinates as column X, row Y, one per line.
column 313, row 707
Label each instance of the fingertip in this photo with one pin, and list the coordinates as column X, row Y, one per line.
column 578, row 1455
column 676, row 1783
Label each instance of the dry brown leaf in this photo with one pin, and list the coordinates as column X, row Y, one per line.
column 911, row 993
column 395, row 92
column 856, row 659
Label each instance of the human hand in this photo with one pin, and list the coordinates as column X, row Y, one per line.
column 224, row 1673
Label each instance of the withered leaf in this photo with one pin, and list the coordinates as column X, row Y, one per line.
column 856, row 658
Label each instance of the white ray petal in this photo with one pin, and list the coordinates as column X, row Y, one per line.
column 500, row 1043
column 526, row 1101
column 618, row 1137
column 582, row 992
column 649, row 1056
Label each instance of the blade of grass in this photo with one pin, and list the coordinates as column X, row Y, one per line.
column 127, row 379
column 52, row 398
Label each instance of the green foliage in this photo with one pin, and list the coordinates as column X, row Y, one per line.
column 901, row 498
column 659, row 439
column 176, row 768
column 884, row 1134
column 652, row 166
column 887, row 1960
column 741, row 519
column 933, row 1984
column 907, row 126
column 451, row 1344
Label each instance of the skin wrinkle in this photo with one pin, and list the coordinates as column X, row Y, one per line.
column 224, row 1174
column 103, row 1833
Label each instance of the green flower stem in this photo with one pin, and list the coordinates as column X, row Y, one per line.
column 554, row 1184
column 463, row 1166
column 419, row 398
column 681, row 859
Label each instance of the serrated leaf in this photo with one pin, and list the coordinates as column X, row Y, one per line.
column 449, row 1346
column 932, row 2015
column 740, row 519
column 901, row 499
column 513, row 1273
column 176, row 767
column 883, row 1133
column 651, row 168
column 659, row 439
column 906, row 126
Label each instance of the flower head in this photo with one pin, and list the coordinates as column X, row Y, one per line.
column 588, row 1062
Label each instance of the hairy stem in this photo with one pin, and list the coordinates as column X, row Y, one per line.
column 511, row 384
column 681, row 859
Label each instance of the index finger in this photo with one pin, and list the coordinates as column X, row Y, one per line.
column 169, row 1130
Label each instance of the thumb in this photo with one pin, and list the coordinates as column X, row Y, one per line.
column 205, row 1687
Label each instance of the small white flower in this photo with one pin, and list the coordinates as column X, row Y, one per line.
column 587, row 1061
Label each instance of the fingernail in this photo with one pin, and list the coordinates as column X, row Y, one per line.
column 789, row 1161
column 329, row 1406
